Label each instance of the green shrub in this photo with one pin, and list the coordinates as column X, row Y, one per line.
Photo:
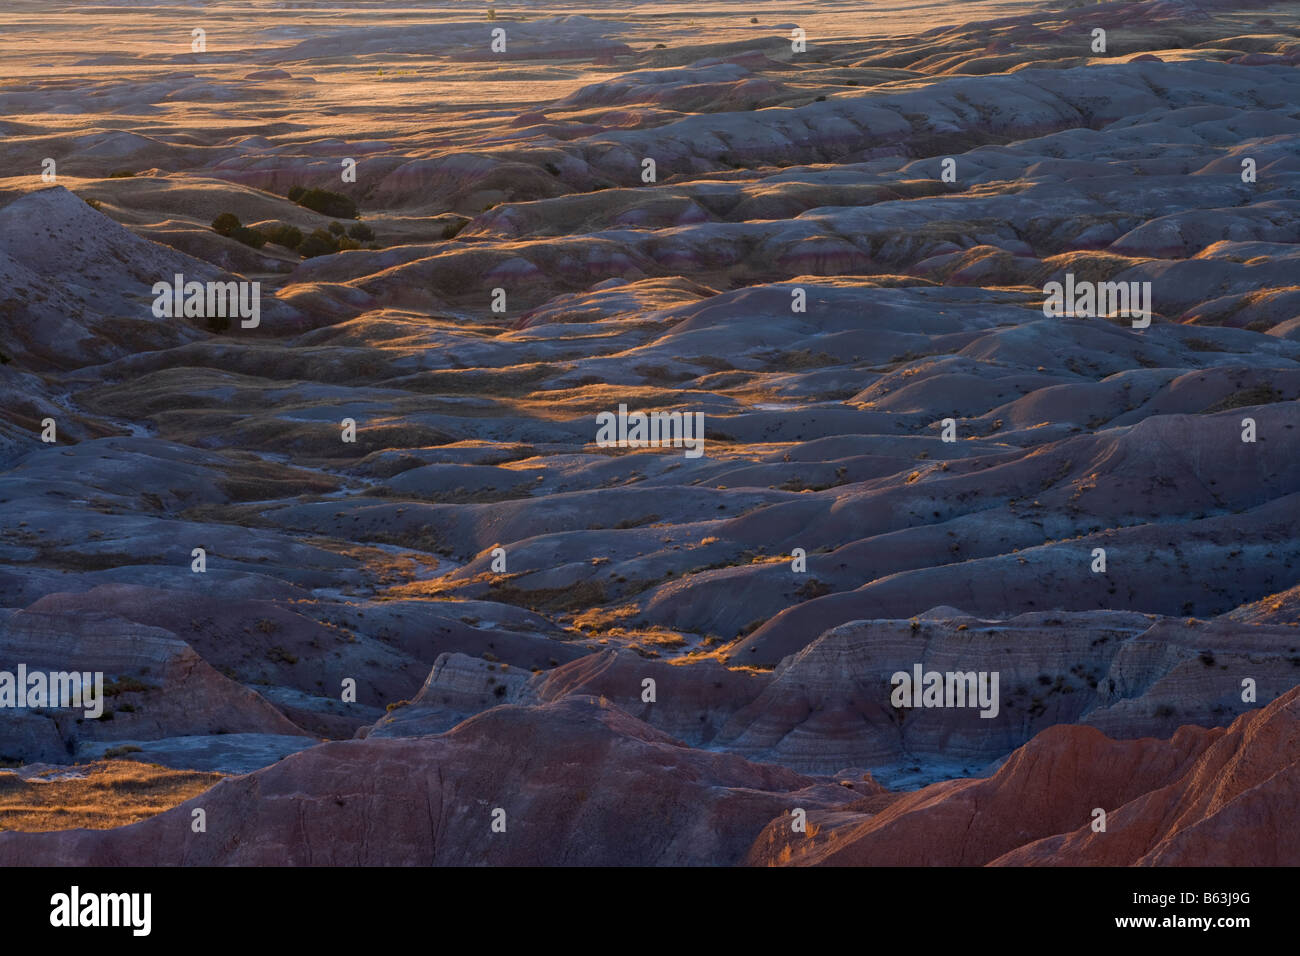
column 249, row 237
column 335, row 228
column 121, row 174
column 361, row 232
column 226, row 224
column 327, row 203
column 288, row 236
column 319, row 243
column 296, row 193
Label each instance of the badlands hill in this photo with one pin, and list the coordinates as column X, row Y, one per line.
column 369, row 559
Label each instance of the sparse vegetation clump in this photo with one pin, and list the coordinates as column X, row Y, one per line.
column 324, row 243
column 290, row 237
column 1246, row 397
column 278, row 655
column 335, row 237
column 249, row 237
column 227, row 224
column 812, row 588
column 319, row 243
column 327, row 203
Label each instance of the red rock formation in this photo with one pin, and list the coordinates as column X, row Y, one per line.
column 580, row 782
column 1221, row 797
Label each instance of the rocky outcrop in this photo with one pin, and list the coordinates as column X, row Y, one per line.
column 1127, row 674
column 831, row 705
column 154, row 687
column 1074, row 797
column 571, row 783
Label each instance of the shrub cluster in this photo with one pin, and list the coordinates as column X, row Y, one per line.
column 228, row 224
column 322, row 242
column 334, row 205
